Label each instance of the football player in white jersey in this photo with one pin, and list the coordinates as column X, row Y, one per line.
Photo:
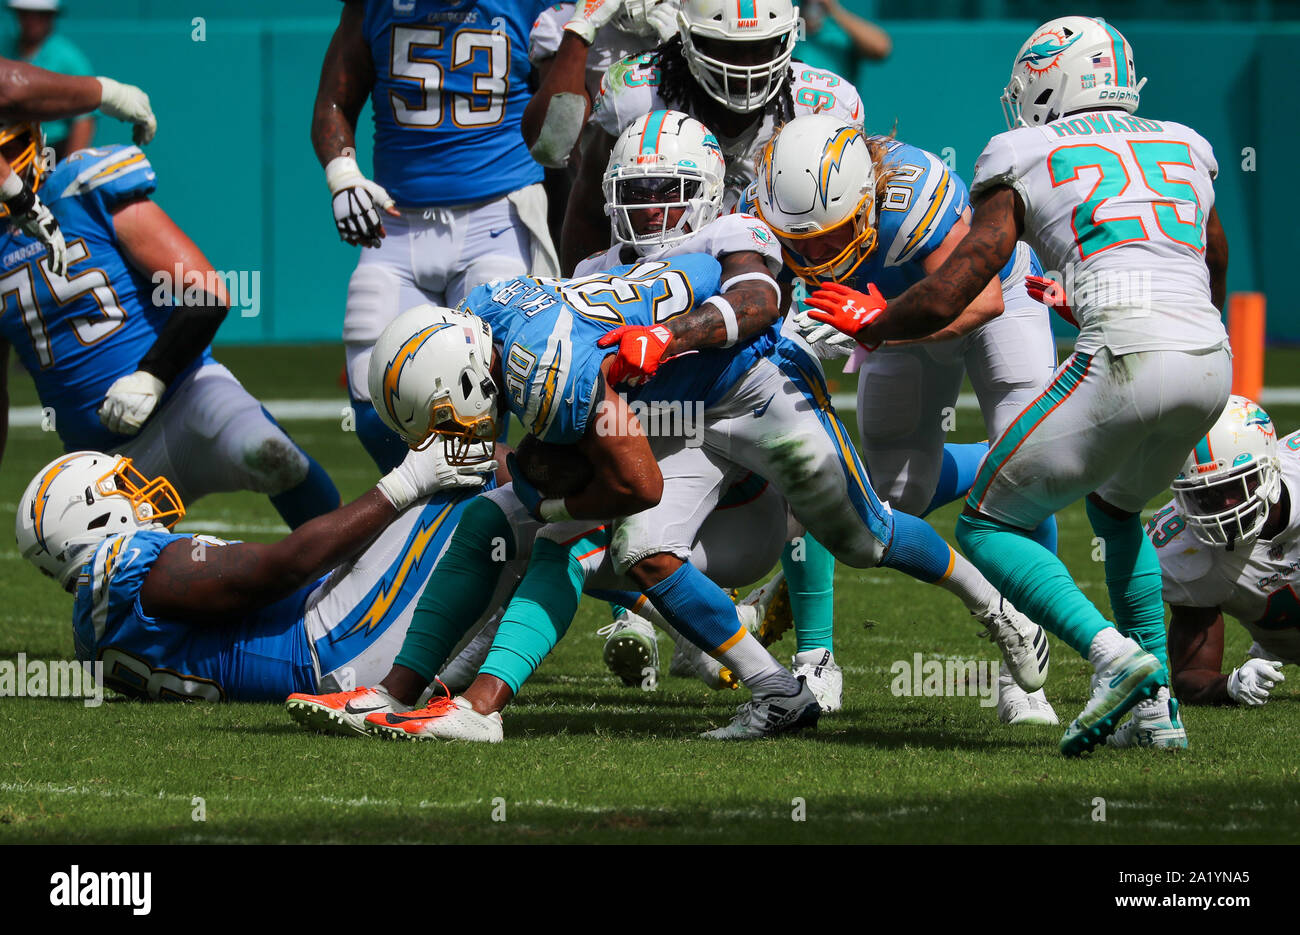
column 457, row 199
column 1124, row 206
column 663, row 195
column 861, row 210
column 1229, row 543
column 571, row 45
column 730, row 68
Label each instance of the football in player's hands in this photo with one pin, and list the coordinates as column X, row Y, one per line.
column 849, row 310
column 555, row 470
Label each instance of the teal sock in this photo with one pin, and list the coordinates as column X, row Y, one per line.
column 538, row 615
column 810, row 575
column 1133, row 580
column 460, row 588
column 1032, row 578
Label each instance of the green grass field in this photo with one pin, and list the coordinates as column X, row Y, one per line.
column 586, row 760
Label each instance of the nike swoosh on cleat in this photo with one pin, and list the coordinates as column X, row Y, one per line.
column 348, row 709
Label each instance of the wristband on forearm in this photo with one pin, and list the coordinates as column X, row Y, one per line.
column 189, row 329
column 17, row 196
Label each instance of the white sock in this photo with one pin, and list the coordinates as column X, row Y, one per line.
column 970, row 587
column 1107, row 646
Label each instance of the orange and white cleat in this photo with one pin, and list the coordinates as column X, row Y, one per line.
column 341, row 712
column 441, row 719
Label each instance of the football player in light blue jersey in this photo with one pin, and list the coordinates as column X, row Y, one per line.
column 855, row 209
column 175, row 616
column 122, row 362
column 766, row 409
column 457, row 199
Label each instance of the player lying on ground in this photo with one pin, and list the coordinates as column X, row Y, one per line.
column 1128, row 203
column 180, row 616
column 1230, row 543
column 663, row 195
column 28, row 93
column 456, row 198
column 730, row 68
column 860, row 210
column 121, row 361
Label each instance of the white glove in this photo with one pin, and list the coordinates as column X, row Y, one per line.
column 1250, row 684
column 423, row 473
column 357, row 202
column 40, row 223
column 127, row 102
column 826, row 341
column 129, row 402
column 589, row 16
column 663, row 17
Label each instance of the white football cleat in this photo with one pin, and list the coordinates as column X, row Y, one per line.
column 631, row 648
column 341, row 712
column 1016, row 706
column 771, row 715
column 1155, row 723
column 822, row 675
column 460, row 673
column 1023, row 644
column 442, row 719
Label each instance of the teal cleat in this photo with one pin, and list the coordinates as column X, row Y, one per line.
column 1131, row 678
column 1154, row 723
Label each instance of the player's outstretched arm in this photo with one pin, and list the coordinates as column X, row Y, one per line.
column 1196, row 655
column 1216, row 259
column 153, row 244
column 191, row 583
column 748, row 302
column 586, row 227
column 31, row 93
column 937, row 299
column 987, row 305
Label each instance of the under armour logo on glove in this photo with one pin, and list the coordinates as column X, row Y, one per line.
column 640, row 352
column 847, row 310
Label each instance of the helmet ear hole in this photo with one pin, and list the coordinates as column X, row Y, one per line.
column 466, row 385
column 99, row 521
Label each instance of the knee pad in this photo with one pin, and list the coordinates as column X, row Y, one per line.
column 272, row 461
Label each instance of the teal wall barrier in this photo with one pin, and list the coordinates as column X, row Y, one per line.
column 236, row 169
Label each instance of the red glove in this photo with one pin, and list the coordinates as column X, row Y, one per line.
column 640, row 352
column 1051, row 294
column 847, row 309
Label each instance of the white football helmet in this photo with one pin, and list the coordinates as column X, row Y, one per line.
column 665, row 160
column 1069, row 64
column 710, row 29
column 82, row 498
column 431, row 376
column 1232, row 477
column 817, row 177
